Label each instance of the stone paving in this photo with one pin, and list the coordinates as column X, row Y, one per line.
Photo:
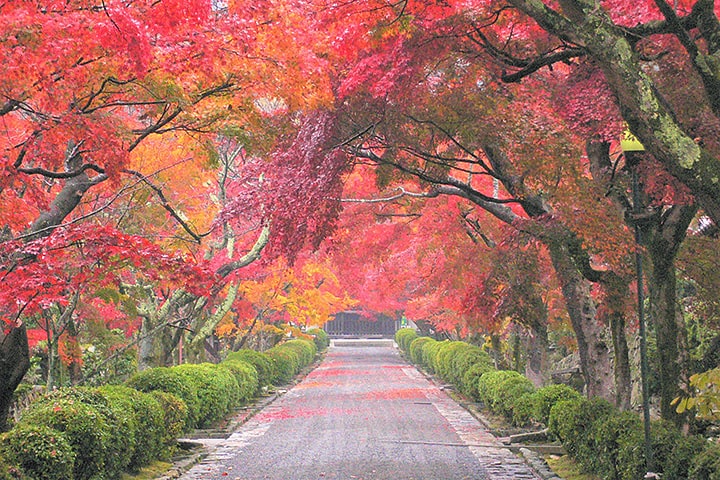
column 364, row 413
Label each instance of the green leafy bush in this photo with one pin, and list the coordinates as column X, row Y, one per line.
column 261, row 361
column 145, row 425
column 444, row 357
column 305, row 350
column 672, row 452
column 546, row 397
column 40, row 452
column 171, row 381
column 500, row 389
column 85, row 428
column 471, row 378
column 246, row 377
column 404, row 338
column 286, row 364
column 523, row 412
column 216, row 388
column 465, row 359
column 706, row 465
column 175, row 413
column 320, row 337
column 609, row 434
column 571, row 422
column 430, row 350
column 415, row 350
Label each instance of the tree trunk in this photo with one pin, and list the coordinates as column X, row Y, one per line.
column 663, row 242
column 595, row 356
column 14, row 363
column 537, row 346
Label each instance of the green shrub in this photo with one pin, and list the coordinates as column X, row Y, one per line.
column 463, row 361
column 706, row 465
column 430, row 351
column 261, row 361
column 571, row 422
column 216, row 388
column 85, row 428
column 121, row 441
column 426, row 350
column 9, row 471
column 285, row 364
column 415, row 350
column 672, row 452
column 171, row 381
column 40, row 452
column 546, row 397
column 500, row 389
column 404, row 338
column 446, row 352
column 146, row 426
column 320, row 337
column 523, row 411
column 175, row 413
column 305, row 350
column 609, row 434
column 246, row 377
column 472, row 376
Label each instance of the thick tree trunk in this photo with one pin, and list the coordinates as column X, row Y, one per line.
column 537, row 346
column 663, row 242
column 595, row 356
column 14, row 363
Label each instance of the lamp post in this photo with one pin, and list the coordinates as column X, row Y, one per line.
column 631, row 147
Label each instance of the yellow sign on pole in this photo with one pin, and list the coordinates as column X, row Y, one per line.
column 630, row 143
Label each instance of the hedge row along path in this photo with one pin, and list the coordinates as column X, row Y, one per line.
column 363, row 413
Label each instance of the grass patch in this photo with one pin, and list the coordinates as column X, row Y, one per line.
column 566, row 468
column 150, row 472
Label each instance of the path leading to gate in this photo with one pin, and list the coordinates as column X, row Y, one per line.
column 364, row 413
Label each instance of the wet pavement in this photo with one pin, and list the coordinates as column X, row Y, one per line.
column 363, row 413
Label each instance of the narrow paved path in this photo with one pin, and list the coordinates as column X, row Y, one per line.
column 364, row 413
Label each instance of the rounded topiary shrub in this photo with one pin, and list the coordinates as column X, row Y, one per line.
column 501, row 388
column 305, row 350
column 471, row 378
column 609, row 435
column 147, row 420
column 9, row 471
column 216, row 388
column 404, row 338
column 246, row 377
column 39, row 451
column 415, row 350
column 175, row 413
column 463, row 360
column 430, row 351
column 571, row 422
column 320, row 337
column 546, row 397
column 285, row 364
column 85, row 429
column 426, row 349
column 261, row 361
column 706, row 465
column 170, row 381
column 443, row 359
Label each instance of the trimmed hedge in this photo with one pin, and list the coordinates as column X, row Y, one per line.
column 261, row 361
column 169, row 380
column 546, row 397
column 87, row 432
column 415, row 349
column 320, row 337
column 41, row 452
column 291, row 357
column 175, row 412
column 500, row 390
column 143, row 424
column 246, row 377
column 404, row 338
column 217, row 390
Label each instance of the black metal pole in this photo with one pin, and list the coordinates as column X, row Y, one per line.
column 641, row 321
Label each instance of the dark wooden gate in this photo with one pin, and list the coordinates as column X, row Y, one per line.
column 355, row 324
